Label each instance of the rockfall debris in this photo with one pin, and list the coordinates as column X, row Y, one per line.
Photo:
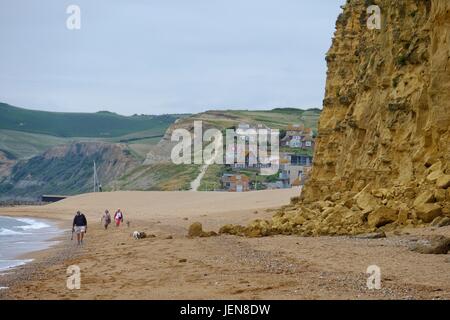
column 196, row 230
column 431, row 245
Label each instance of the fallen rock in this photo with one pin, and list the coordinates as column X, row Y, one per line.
column 195, row 229
column 424, row 197
column 409, row 193
column 382, row 216
column 434, row 175
column 380, row 193
column 258, row 228
column 437, row 166
column 443, row 181
column 208, row 234
column 336, row 197
column 431, row 245
column 234, row 230
column 373, row 235
column 334, row 215
column 441, row 222
column 403, row 215
column 428, row 212
column 365, row 201
column 348, row 203
column 440, row 195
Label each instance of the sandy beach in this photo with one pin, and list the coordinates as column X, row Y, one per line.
column 172, row 266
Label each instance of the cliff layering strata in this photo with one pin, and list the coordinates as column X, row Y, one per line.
column 382, row 154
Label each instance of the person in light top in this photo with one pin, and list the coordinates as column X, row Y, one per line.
column 106, row 219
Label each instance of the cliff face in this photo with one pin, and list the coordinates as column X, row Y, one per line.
column 386, row 112
column 7, row 162
column 66, row 169
column 383, row 150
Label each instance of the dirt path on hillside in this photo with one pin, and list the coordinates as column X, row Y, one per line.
column 195, row 184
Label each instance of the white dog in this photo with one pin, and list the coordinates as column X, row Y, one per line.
column 139, row 235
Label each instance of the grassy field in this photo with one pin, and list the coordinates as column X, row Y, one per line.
column 163, row 177
column 211, row 179
column 280, row 118
column 24, row 145
column 93, row 125
column 143, row 147
column 27, row 133
column 274, row 119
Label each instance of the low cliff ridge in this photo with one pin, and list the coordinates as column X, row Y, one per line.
column 66, row 169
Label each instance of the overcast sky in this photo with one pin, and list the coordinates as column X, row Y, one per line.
column 165, row 56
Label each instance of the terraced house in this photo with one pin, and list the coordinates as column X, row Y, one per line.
column 236, row 182
column 297, row 136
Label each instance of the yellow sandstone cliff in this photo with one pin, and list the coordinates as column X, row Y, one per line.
column 383, row 150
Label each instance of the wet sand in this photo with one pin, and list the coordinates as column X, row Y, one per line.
column 172, row 266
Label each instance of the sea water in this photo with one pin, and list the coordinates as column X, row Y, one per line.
column 19, row 236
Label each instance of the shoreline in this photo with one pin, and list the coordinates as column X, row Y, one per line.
column 28, row 260
column 169, row 265
column 19, row 276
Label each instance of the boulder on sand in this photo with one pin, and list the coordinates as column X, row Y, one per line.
column 196, row 230
column 427, row 212
column 382, row 216
column 373, row 235
column 431, row 245
column 441, row 222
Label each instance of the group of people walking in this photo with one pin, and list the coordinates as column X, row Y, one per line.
column 79, row 225
column 106, row 218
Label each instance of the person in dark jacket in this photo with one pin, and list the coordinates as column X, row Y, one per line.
column 79, row 226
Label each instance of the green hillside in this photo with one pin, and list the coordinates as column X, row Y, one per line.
column 66, row 169
column 24, row 145
column 94, row 125
column 278, row 118
column 157, row 177
column 49, row 152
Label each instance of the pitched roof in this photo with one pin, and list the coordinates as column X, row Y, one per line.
column 296, row 127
